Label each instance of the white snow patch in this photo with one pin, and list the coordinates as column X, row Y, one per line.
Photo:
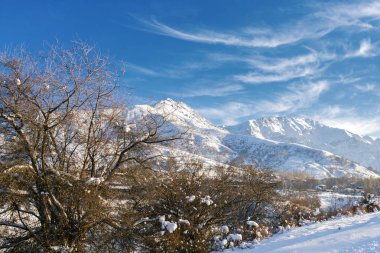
column 224, row 229
column 94, row 180
column 190, row 198
column 171, row 227
column 360, row 233
column 252, row 223
column 235, row 237
column 186, row 222
column 207, row 200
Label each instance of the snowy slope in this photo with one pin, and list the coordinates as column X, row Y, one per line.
column 290, row 157
column 364, row 150
column 202, row 138
column 248, row 144
column 349, row 234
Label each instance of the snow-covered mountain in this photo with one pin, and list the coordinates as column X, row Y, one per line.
column 284, row 144
column 364, row 150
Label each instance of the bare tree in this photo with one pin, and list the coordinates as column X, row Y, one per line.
column 63, row 137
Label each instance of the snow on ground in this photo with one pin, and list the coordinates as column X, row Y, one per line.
column 334, row 200
column 331, row 201
column 357, row 234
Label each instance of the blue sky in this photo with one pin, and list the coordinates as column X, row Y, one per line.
column 231, row 60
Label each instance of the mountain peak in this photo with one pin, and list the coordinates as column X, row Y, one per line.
column 169, row 103
column 181, row 112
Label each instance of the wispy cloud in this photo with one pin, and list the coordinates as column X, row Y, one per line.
column 366, row 49
column 350, row 119
column 281, row 64
column 219, row 90
column 202, row 36
column 274, row 69
column 228, row 113
column 347, row 79
column 284, row 64
column 143, row 70
column 356, row 124
column 357, row 13
column 295, row 98
column 323, row 20
column 181, row 70
column 284, row 69
column 260, row 78
column 369, row 87
column 247, row 37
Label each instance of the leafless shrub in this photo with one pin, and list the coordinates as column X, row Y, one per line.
column 197, row 205
column 63, row 137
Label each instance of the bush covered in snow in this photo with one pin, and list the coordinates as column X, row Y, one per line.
column 298, row 207
column 189, row 211
column 369, row 203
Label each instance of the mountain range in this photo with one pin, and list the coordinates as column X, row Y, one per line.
column 284, row 144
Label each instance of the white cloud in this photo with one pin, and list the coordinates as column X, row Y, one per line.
column 325, row 19
column 285, row 69
column 227, row 113
column 247, row 37
column 182, row 69
column 283, row 64
column 366, row 87
column 260, row 78
column 202, row 36
column 296, row 98
column 206, row 90
column 333, row 111
column 143, row 70
column 359, row 13
column 266, row 69
column 349, row 119
column 356, row 124
column 347, row 79
column 366, row 49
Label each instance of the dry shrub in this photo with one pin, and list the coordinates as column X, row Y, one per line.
column 198, row 204
column 300, row 206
